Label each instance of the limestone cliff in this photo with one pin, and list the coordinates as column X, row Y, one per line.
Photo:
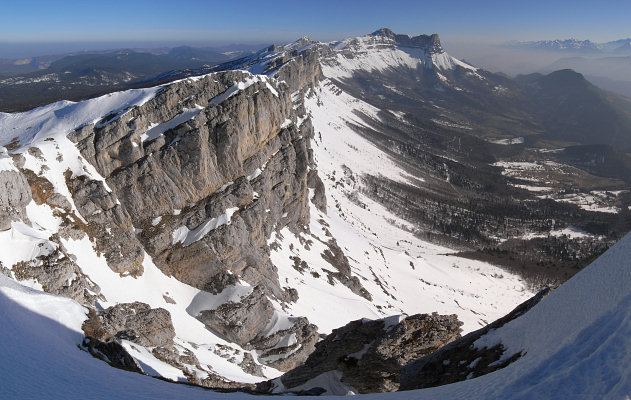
column 200, row 176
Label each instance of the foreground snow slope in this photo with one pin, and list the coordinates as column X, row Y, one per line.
column 577, row 343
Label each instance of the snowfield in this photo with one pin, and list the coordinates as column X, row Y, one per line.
column 380, row 53
column 577, row 344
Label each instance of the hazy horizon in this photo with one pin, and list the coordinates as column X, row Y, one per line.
column 93, row 26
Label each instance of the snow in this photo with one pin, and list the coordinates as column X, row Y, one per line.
column 150, row 364
column 595, row 200
column 359, row 354
column 531, row 188
column 576, row 341
column 187, row 237
column 157, row 130
column 208, row 301
column 330, row 381
column 392, row 321
column 6, row 162
column 238, row 86
column 286, row 124
column 402, row 273
column 23, row 243
column 152, row 288
column 44, row 130
column 379, row 53
column 257, row 172
column 333, row 113
column 41, row 332
column 278, row 322
column 64, row 116
column 509, row 141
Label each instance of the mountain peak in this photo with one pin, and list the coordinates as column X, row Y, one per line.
column 384, row 32
column 430, row 43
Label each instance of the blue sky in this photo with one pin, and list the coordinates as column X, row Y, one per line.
column 277, row 21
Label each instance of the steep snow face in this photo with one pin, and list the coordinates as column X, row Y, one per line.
column 402, row 273
column 584, row 349
column 380, row 53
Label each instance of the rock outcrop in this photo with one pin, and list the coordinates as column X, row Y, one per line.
column 460, row 359
column 139, row 323
column 369, row 354
column 430, row 43
column 58, row 273
column 15, row 192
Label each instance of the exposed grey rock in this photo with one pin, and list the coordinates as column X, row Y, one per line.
column 185, row 168
column 335, row 256
column 244, row 153
column 370, row 353
column 58, row 273
column 15, row 194
column 250, row 366
column 430, row 43
column 104, row 347
column 112, row 353
column 460, row 360
column 139, row 323
column 109, row 225
column 245, row 322
column 285, row 356
column 319, row 196
column 240, row 322
column 301, row 69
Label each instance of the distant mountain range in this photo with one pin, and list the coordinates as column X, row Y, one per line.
column 575, row 45
column 29, row 83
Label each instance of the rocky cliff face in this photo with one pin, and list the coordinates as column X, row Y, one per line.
column 430, row 43
column 199, row 177
column 186, row 192
column 15, row 192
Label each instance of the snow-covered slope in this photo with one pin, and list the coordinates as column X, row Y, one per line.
column 576, row 342
column 40, row 136
column 383, row 50
column 398, row 272
column 403, row 274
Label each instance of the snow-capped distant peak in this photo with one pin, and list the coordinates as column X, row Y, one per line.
column 385, row 50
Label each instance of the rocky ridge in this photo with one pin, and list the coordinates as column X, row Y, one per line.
column 366, row 355
column 461, row 359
